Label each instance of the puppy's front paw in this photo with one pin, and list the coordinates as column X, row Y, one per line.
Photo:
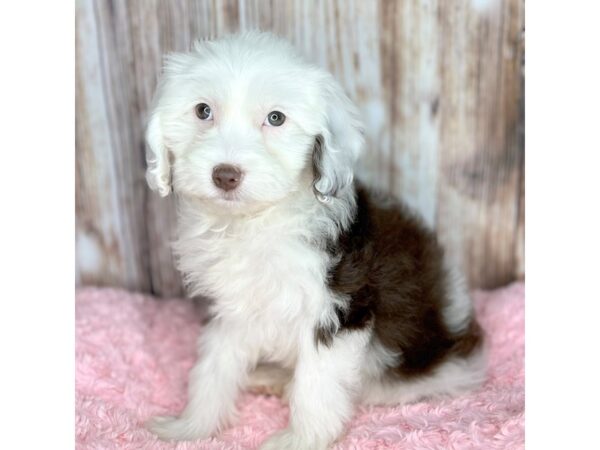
column 169, row 428
column 286, row 440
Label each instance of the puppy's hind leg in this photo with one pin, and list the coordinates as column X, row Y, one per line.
column 453, row 377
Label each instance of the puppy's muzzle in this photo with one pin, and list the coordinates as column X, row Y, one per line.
column 226, row 177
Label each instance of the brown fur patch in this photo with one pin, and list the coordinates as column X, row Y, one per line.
column 391, row 267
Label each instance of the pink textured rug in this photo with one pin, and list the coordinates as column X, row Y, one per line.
column 133, row 354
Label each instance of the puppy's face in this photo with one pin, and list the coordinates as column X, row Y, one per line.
column 235, row 124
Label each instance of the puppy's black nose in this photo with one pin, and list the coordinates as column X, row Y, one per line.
column 226, row 176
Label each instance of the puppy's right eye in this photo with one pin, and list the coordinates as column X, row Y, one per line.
column 203, row 111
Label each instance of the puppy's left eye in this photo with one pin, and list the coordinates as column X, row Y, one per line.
column 275, row 119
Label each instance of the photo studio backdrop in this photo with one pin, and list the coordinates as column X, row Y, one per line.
column 439, row 84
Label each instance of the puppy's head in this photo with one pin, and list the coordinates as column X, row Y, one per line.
column 243, row 121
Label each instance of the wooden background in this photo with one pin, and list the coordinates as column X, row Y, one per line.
column 441, row 87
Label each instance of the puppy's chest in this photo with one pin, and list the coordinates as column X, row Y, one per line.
column 270, row 274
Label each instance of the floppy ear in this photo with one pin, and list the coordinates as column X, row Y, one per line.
column 158, row 172
column 338, row 146
column 158, row 155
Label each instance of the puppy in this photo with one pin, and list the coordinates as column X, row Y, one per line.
column 345, row 290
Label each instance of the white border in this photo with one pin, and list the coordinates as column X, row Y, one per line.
column 562, row 224
column 37, row 224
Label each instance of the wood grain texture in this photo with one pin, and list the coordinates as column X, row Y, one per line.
column 440, row 84
column 110, row 232
column 481, row 133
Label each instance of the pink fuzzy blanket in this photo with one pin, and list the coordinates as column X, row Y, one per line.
column 133, row 354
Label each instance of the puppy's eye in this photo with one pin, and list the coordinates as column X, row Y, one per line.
column 275, row 119
column 203, row 111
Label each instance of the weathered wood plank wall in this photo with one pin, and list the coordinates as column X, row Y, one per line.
column 440, row 84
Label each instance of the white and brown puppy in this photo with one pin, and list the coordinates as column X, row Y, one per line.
column 348, row 292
